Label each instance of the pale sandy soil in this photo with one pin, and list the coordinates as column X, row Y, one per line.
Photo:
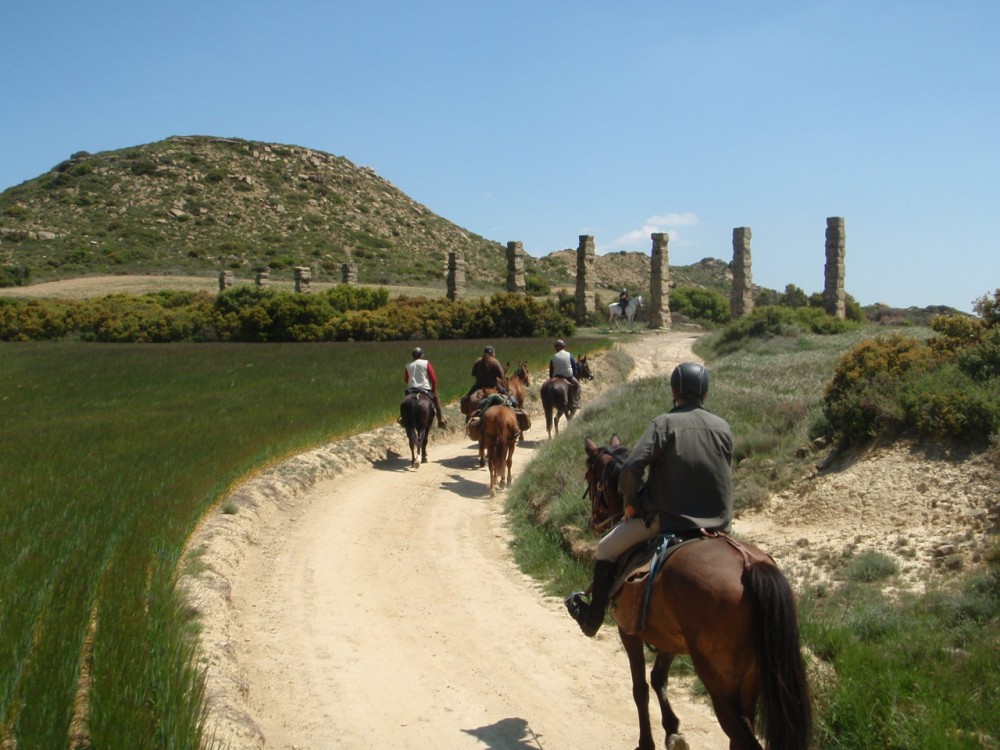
column 352, row 602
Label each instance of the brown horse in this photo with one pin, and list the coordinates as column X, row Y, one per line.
column 471, row 403
column 499, row 434
column 517, row 384
column 555, row 396
column 416, row 414
column 727, row 605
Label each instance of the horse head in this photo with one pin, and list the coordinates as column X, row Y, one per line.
column 638, row 301
column 522, row 373
column 583, row 369
column 603, row 468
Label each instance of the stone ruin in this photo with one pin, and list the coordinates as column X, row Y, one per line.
column 741, row 298
column 515, row 268
column 227, row 279
column 302, row 279
column 348, row 273
column 834, row 294
column 659, row 282
column 586, row 257
column 456, row 275
column 263, row 279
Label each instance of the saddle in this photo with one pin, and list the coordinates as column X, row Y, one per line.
column 639, row 568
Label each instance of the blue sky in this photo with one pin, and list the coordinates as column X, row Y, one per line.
column 540, row 121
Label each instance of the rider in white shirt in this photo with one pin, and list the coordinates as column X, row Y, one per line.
column 563, row 365
column 420, row 378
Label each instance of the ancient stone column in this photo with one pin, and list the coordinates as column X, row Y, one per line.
column 515, row 267
column 302, row 279
column 659, row 282
column 741, row 298
column 348, row 273
column 586, row 257
column 263, row 279
column 227, row 279
column 456, row 275
column 834, row 294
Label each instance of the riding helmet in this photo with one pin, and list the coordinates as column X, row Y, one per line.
column 560, row 344
column 690, row 380
column 488, row 350
column 417, row 353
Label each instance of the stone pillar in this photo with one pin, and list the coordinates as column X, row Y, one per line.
column 515, row 267
column 348, row 273
column 741, row 299
column 227, row 279
column 263, row 279
column 302, row 278
column 456, row 275
column 659, row 282
column 586, row 257
column 834, row 294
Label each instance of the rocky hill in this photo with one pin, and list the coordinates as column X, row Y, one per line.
column 195, row 205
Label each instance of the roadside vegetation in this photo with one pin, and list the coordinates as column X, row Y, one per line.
column 109, row 456
column 899, row 670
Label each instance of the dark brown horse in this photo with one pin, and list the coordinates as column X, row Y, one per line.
column 517, row 384
column 499, row 434
column 555, row 396
column 727, row 605
column 471, row 403
column 416, row 414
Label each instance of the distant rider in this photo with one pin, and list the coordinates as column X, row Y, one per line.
column 563, row 365
column 420, row 377
column 623, row 301
column 488, row 373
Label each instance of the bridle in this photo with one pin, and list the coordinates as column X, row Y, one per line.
column 605, row 506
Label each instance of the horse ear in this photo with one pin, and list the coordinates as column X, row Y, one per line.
column 614, row 442
column 590, row 446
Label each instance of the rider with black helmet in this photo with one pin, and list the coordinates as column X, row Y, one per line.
column 420, row 378
column 689, row 453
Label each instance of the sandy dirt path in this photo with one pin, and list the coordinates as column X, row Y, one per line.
column 376, row 605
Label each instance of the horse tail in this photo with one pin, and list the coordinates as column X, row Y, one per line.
column 414, row 428
column 786, row 707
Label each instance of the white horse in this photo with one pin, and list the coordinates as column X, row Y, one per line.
column 615, row 311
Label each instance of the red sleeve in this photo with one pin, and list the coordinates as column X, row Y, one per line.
column 432, row 377
column 406, row 375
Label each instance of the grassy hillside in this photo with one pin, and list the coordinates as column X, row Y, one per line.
column 195, row 205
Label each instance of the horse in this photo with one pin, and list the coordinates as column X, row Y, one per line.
column 471, row 403
column 726, row 604
column 416, row 414
column 615, row 311
column 555, row 396
column 517, row 384
column 499, row 433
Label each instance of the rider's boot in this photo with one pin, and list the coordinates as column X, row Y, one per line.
column 590, row 616
column 442, row 422
column 574, row 395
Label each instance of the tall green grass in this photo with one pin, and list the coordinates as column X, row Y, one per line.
column 915, row 672
column 109, row 454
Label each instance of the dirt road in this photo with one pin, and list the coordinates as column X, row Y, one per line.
column 380, row 608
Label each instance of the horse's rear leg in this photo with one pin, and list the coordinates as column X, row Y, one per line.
column 658, row 678
column 729, row 706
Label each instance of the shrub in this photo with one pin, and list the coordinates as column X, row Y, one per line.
column 870, row 567
column 537, row 286
column 862, row 399
column 700, row 304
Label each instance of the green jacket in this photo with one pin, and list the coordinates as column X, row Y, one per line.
column 689, row 454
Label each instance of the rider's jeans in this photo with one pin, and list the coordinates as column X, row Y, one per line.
column 626, row 535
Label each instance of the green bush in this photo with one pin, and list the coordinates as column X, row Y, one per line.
column 700, row 304
column 537, row 286
column 870, row 567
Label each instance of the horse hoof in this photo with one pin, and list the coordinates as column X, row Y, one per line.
column 677, row 742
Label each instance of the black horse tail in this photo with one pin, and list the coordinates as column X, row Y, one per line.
column 785, row 704
column 413, row 428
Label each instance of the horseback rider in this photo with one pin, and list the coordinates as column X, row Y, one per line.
column 420, row 378
column 689, row 453
column 623, row 301
column 488, row 373
column 563, row 365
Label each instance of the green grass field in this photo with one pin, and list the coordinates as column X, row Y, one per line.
column 109, row 454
